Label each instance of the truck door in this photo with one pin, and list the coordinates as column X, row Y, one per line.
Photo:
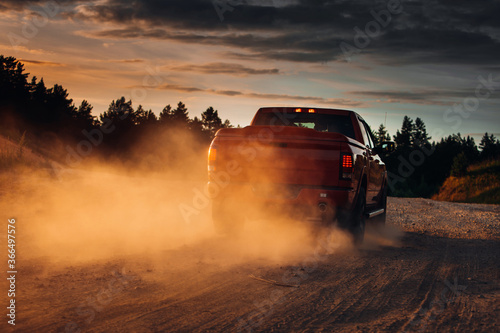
column 375, row 172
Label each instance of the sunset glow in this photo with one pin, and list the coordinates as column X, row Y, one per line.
column 427, row 60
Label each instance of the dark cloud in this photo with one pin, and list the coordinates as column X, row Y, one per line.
column 202, row 15
column 36, row 5
column 491, row 69
column 225, row 68
column 226, row 92
column 425, row 31
column 16, row 4
column 42, row 63
column 437, row 46
column 179, row 88
column 422, row 96
column 329, row 101
column 298, row 46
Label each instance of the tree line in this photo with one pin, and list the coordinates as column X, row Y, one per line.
column 49, row 116
column 417, row 168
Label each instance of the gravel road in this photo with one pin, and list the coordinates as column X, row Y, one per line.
column 434, row 267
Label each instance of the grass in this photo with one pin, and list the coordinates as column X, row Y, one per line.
column 15, row 155
column 481, row 184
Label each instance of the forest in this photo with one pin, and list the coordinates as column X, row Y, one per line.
column 34, row 113
column 419, row 167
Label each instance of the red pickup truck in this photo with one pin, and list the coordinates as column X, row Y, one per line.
column 317, row 165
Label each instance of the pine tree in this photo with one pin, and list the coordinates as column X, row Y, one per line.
column 58, row 107
column 13, row 80
column 166, row 115
column 120, row 111
column 404, row 139
column 382, row 134
column 490, row 146
column 180, row 116
column 196, row 126
column 420, row 136
column 84, row 114
column 151, row 117
column 143, row 117
column 211, row 121
column 459, row 165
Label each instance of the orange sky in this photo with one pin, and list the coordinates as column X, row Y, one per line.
column 159, row 54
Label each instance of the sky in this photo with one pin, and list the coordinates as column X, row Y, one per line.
column 435, row 59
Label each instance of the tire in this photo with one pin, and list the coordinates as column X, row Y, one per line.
column 357, row 225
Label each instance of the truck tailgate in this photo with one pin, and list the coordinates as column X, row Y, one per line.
column 293, row 156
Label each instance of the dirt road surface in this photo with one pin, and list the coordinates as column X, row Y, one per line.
column 434, row 267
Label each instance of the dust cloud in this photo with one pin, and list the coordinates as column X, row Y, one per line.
column 101, row 210
column 102, row 213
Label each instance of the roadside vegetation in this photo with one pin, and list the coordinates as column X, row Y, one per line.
column 419, row 167
column 480, row 183
column 14, row 154
column 41, row 125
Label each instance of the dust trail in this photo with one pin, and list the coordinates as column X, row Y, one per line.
column 379, row 236
column 101, row 210
column 103, row 213
column 99, row 214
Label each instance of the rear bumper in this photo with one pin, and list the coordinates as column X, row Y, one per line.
column 313, row 203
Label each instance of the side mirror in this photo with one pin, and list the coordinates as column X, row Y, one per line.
column 385, row 148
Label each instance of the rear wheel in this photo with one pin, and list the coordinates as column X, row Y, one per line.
column 357, row 223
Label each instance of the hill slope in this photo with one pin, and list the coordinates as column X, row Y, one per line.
column 16, row 154
column 481, row 184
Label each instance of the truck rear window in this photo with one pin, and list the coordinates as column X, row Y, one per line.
column 319, row 122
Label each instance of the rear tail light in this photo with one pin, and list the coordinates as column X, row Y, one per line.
column 212, row 158
column 346, row 166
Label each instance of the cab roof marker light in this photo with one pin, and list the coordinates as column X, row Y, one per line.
column 298, row 110
column 312, row 111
